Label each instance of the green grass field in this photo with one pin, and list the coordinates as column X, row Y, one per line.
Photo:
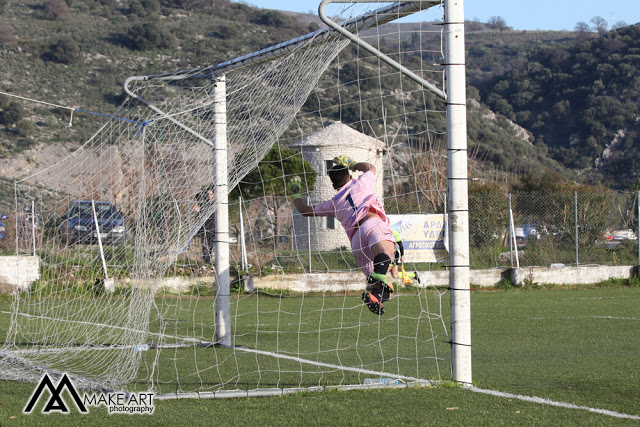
column 577, row 346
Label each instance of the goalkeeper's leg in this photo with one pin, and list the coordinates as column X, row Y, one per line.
column 373, row 248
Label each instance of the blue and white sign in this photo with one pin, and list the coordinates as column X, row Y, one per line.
column 422, row 235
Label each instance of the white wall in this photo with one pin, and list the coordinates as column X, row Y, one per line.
column 18, row 272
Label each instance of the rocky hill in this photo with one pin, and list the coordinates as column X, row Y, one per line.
column 76, row 55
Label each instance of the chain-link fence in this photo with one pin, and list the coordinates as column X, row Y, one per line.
column 525, row 229
column 589, row 226
column 593, row 226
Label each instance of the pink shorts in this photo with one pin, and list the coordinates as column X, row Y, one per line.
column 372, row 231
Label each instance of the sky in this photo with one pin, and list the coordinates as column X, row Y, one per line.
column 530, row 15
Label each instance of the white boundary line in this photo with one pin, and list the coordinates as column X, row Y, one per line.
column 549, row 402
column 474, row 389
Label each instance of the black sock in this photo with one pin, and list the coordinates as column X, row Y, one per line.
column 381, row 263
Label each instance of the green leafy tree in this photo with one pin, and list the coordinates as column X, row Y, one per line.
column 268, row 182
column 488, row 215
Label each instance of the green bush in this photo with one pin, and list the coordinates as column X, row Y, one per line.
column 25, row 128
column 504, row 284
column 144, row 8
column 64, row 51
column 228, row 31
column 147, row 36
column 273, row 19
column 11, row 114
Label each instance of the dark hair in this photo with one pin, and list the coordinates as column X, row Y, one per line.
column 203, row 196
column 339, row 175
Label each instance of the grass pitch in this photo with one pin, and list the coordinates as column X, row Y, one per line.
column 578, row 346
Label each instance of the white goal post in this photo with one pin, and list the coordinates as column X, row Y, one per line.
column 455, row 97
column 179, row 136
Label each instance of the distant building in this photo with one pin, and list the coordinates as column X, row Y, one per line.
column 319, row 149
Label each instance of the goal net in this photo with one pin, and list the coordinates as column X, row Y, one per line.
column 133, row 231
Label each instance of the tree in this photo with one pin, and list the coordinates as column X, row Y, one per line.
column 582, row 27
column 618, row 25
column 64, row 51
column 25, row 128
column 273, row 18
column 11, row 114
column 144, row 8
column 268, row 182
column 600, row 24
column 147, row 36
column 546, row 182
column 56, row 9
column 228, row 31
column 473, row 25
column 488, row 215
column 497, row 23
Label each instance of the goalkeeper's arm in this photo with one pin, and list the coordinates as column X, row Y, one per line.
column 295, row 188
column 303, row 208
column 364, row 167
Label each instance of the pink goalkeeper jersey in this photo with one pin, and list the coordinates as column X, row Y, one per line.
column 352, row 203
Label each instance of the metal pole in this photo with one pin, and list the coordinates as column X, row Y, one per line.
column 309, row 237
column 513, row 240
column 33, row 227
column 366, row 46
column 459, row 282
column 223, row 282
column 511, row 236
column 243, row 247
column 575, row 214
column 445, row 238
column 95, row 221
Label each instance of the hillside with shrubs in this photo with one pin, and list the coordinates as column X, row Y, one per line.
column 529, row 110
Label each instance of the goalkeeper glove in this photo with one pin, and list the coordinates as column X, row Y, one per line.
column 295, row 187
column 345, row 161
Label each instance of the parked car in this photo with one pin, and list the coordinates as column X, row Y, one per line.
column 3, row 227
column 79, row 225
column 525, row 232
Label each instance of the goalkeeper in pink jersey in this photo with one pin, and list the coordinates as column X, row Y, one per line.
column 361, row 214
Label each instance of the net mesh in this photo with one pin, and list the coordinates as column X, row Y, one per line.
column 121, row 229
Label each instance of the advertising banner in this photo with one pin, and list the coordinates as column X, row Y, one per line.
column 422, row 235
